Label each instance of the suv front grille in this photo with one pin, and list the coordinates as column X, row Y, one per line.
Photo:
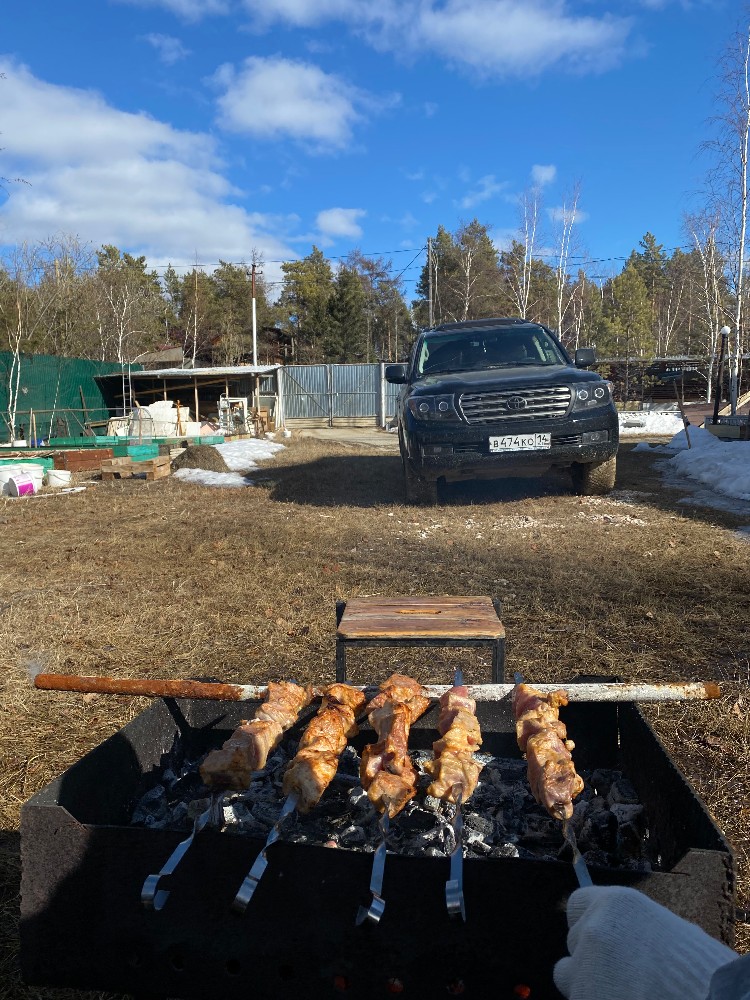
column 493, row 407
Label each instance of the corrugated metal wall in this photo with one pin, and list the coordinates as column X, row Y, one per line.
column 52, row 387
column 337, row 394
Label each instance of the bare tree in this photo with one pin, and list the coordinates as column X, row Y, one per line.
column 703, row 230
column 728, row 177
column 520, row 286
column 565, row 237
column 25, row 304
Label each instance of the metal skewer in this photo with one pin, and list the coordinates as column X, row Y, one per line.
column 253, row 877
column 454, row 887
column 579, row 865
column 154, row 898
column 375, row 910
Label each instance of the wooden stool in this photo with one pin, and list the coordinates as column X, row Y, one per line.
column 420, row 621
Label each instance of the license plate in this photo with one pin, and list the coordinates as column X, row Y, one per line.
column 521, row 442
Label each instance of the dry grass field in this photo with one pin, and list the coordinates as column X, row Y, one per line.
column 166, row 579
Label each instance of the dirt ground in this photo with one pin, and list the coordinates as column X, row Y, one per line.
column 167, row 579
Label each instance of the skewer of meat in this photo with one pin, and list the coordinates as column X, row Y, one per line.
column 455, row 775
column 314, row 766
column 232, row 766
column 543, row 738
column 454, row 770
column 386, row 771
column 310, row 772
column 247, row 749
column 552, row 774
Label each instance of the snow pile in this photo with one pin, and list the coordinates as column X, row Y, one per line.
column 240, row 457
column 645, row 423
column 722, row 465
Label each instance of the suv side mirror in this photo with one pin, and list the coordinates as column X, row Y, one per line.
column 585, row 357
column 396, row 374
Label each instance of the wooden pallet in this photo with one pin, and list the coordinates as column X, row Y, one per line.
column 83, row 459
column 124, row 468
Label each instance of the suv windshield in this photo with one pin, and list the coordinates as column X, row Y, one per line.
column 493, row 347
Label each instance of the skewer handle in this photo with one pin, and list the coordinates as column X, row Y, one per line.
column 149, row 688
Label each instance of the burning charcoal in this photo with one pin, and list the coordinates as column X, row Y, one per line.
column 187, row 786
column 359, row 803
column 434, row 852
column 601, row 780
column 622, row 792
column 152, row 808
column 431, row 803
column 596, row 858
column 483, row 825
column 504, row 851
column 266, row 813
column 631, row 826
column 352, row 836
column 179, row 815
column 539, row 829
column 196, row 807
column 599, row 832
column 474, row 840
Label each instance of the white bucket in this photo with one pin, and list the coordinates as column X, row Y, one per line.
column 58, row 477
column 6, row 471
column 36, row 472
column 21, row 485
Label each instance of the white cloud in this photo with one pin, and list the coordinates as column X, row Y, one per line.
column 543, row 175
column 275, row 98
column 430, row 109
column 110, row 176
column 340, row 223
column 564, row 213
column 188, row 10
column 169, row 49
column 492, row 37
column 485, row 188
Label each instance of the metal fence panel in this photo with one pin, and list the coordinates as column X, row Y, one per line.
column 306, row 392
column 355, row 390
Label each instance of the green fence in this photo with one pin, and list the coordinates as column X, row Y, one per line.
column 60, row 394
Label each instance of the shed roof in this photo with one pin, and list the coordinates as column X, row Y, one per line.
column 167, row 373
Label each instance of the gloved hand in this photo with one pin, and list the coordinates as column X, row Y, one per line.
column 624, row 946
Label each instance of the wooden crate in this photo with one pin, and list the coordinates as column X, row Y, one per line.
column 83, row 459
column 124, row 468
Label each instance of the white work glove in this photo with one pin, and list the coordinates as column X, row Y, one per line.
column 624, row 946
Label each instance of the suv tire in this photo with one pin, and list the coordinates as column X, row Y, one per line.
column 418, row 491
column 594, row 478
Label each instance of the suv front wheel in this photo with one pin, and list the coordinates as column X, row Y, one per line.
column 594, row 478
column 418, row 491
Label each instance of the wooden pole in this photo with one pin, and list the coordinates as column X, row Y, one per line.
column 635, row 691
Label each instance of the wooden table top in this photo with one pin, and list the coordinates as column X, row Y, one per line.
column 420, row 618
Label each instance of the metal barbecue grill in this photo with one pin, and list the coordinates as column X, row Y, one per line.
column 83, row 924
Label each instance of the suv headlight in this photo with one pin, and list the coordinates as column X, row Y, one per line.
column 592, row 394
column 433, row 408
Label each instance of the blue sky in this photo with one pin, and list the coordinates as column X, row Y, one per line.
column 187, row 129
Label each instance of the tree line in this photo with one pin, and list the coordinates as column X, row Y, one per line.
column 62, row 297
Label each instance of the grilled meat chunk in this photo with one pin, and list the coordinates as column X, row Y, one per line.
column 316, row 761
column 247, row 749
column 454, row 770
column 386, row 771
column 543, row 738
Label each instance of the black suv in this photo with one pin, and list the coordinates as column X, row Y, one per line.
column 501, row 397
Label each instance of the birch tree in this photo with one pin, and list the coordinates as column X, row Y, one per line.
column 728, row 178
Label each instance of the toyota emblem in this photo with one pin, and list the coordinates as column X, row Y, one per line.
column 516, row 403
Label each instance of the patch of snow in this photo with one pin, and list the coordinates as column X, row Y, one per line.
column 202, row 477
column 646, row 423
column 243, row 455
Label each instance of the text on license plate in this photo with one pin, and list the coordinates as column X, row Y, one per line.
column 520, row 442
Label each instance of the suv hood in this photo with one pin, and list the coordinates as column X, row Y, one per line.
column 491, row 379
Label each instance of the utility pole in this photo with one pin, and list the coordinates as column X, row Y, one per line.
column 255, row 329
column 429, row 279
column 255, row 342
